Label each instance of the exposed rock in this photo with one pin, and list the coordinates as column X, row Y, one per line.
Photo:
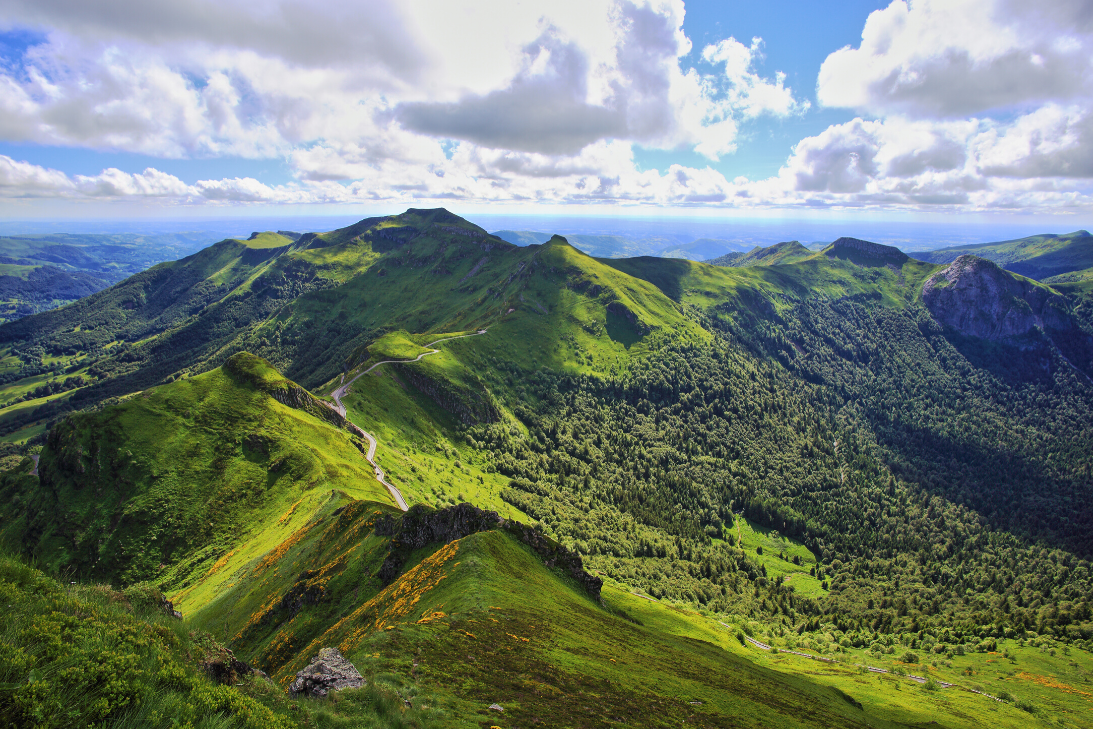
column 328, row 671
column 224, row 668
column 977, row 298
column 554, row 554
column 855, row 247
column 421, row 526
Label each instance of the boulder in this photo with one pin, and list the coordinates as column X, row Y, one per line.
column 328, row 671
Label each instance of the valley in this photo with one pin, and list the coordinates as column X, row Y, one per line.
column 582, row 489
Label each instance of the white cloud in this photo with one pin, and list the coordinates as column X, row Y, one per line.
column 749, row 93
column 953, row 58
column 429, row 101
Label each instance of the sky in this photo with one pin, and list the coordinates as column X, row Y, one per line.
column 928, row 111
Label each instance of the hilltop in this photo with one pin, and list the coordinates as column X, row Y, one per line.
column 851, row 454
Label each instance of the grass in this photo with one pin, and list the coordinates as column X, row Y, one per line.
column 1038, row 256
column 752, row 537
column 267, row 239
column 184, row 471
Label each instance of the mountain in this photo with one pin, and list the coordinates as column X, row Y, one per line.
column 619, row 471
column 704, row 249
column 1038, row 257
column 788, row 252
column 42, row 272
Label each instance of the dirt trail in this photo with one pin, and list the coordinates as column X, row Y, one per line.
column 339, row 408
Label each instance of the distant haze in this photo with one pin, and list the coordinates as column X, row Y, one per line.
column 695, row 238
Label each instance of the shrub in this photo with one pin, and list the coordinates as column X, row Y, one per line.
column 909, row 657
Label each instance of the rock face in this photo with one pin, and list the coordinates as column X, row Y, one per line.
column 328, row 671
column 977, row 298
column 421, row 526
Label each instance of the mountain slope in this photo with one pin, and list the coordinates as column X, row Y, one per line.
column 917, row 487
column 1038, row 256
column 175, row 474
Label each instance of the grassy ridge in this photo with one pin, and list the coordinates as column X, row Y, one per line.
column 180, row 473
column 1038, row 256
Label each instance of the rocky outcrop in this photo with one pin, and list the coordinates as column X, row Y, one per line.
column 555, row 555
column 977, row 298
column 421, row 526
column 328, row 671
column 221, row 665
column 857, row 248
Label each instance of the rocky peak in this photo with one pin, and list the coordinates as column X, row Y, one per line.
column 978, row 298
column 855, row 247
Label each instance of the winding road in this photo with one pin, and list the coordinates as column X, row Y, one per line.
column 338, row 407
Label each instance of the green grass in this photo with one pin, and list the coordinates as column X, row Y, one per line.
column 86, row 655
column 13, row 269
column 267, row 239
column 1038, row 256
column 183, row 473
column 751, row 537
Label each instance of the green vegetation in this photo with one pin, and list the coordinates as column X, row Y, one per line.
column 160, row 485
column 1039, row 256
column 797, row 453
column 779, row 253
column 42, row 272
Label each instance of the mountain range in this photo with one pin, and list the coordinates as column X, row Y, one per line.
column 844, row 487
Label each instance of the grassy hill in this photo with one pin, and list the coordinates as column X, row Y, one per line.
column 913, row 490
column 1039, row 256
column 176, row 475
column 788, row 252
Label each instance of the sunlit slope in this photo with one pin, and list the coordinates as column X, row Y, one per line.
column 482, row 620
column 1037, row 256
column 172, row 477
column 312, row 307
column 771, row 287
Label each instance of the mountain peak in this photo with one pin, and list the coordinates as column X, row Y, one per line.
column 856, row 248
column 978, row 298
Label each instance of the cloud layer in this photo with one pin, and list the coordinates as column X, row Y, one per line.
column 961, row 104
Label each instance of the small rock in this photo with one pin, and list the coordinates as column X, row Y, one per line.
column 496, row 707
column 328, row 671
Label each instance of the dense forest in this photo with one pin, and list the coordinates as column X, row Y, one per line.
column 928, row 488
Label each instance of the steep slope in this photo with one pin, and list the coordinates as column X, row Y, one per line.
column 977, row 298
column 176, row 475
column 1038, row 256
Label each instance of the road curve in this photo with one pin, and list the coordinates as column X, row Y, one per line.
column 339, row 408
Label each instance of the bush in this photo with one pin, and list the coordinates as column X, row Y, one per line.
column 909, row 657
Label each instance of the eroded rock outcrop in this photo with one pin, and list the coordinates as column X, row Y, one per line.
column 977, row 298
column 421, row 526
column 328, row 671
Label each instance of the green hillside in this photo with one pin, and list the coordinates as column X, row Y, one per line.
column 175, row 475
column 1039, row 256
column 779, row 253
column 800, row 453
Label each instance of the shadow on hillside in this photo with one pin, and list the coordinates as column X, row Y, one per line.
column 666, row 274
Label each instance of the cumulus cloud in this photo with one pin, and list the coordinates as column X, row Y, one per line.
column 963, row 104
column 748, row 92
column 953, row 58
column 544, row 109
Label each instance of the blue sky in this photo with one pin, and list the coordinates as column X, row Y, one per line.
column 935, row 110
